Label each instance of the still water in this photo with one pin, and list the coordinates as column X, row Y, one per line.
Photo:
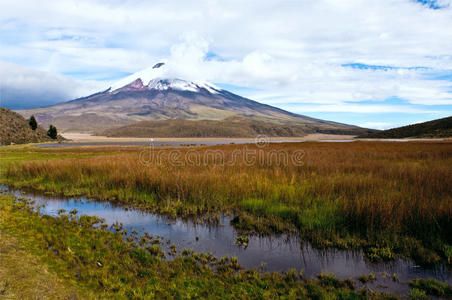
column 267, row 253
column 195, row 142
column 160, row 143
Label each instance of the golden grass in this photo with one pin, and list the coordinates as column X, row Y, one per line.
column 367, row 189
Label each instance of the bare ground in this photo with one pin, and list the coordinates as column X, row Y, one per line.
column 86, row 137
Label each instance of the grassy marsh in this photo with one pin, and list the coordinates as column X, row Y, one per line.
column 389, row 198
column 101, row 264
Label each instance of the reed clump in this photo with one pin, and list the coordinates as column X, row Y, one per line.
column 386, row 195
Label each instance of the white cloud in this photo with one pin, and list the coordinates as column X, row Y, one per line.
column 24, row 87
column 364, row 108
column 290, row 51
column 377, row 125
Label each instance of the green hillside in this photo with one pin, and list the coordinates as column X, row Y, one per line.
column 440, row 128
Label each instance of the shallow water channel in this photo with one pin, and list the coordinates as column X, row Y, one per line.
column 267, row 253
column 178, row 143
column 195, row 142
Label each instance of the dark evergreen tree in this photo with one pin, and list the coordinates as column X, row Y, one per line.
column 32, row 122
column 52, row 132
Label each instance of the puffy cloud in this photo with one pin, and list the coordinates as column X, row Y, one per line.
column 24, row 87
column 322, row 52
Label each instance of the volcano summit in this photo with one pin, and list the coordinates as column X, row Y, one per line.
column 153, row 96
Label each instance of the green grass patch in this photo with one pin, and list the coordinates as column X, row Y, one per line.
column 105, row 264
column 432, row 287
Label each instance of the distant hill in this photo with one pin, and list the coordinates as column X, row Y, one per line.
column 229, row 127
column 153, row 94
column 440, row 128
column 15, row 129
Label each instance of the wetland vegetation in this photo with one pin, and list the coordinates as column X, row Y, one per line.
column 390, row 199
column 95, row 263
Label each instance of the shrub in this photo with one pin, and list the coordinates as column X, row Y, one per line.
column 52, row 132
column 32, row 122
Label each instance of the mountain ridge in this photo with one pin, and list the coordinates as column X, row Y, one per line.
column 438, row 128
column 232, row 127
column 149, row 96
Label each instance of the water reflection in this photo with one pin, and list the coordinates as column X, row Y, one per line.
column 275, row 253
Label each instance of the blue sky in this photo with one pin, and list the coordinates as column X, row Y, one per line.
column 374, row 63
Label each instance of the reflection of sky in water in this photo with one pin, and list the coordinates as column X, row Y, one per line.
column 164, row 143
column 207, row 143
column 278, row 253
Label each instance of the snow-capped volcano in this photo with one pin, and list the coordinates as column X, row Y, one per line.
column 156, row 78
column 156, row 93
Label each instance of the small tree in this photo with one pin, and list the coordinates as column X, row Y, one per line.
column 32, row 122
column 52, row 132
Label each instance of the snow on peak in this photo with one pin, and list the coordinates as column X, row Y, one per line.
column 156, row 77
column 208, row 86
column 145, row 75
column 176, row 84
